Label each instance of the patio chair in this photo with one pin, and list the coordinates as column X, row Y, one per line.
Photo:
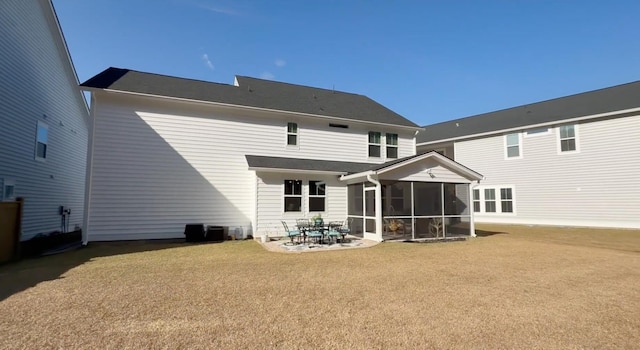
column 303, row 227
column 334, row 230
column 345, row 229
column 435, row 227
column 290, row 233
column 315, row 234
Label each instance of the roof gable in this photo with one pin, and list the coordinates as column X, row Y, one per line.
column 607, row 100
column 252, row 92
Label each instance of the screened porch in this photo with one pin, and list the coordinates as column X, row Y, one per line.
column 412, row 210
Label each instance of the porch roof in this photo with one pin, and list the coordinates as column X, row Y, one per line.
column 265, row 163
column 351, row 170
column 448, row 163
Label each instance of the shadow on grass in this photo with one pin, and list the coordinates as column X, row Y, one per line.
column 483, row 233
column 24, row 274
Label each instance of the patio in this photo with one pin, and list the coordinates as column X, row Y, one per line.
column 284, row 245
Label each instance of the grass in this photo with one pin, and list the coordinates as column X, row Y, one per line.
column 515, row 287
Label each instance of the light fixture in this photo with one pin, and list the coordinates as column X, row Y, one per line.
column 430, row 173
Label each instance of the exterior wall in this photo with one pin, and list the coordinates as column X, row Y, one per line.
column 38, row 84
column 159, row 164
column 596, row 186
column 420, row 172
column 446, row 149
column 271, row 201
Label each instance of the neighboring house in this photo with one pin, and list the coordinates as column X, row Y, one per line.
column 43, row 117
column 571, row 161
column 166, row 151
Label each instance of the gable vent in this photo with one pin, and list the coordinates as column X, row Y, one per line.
column 339, row 126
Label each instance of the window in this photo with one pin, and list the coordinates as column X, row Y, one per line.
column 392, row 145
column 374, row 144
column 567, row 135
column 42, row 136
column 496, row 199
column 489, row 200
column 513, row 145
column 506, row 200
column 476, row 201
column 292, row 195
column 292, row 134
column 8, row 190
column 317, row 193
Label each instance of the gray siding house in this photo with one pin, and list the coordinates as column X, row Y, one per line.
column 44, row 118
column 166, row 151
column 571, row 161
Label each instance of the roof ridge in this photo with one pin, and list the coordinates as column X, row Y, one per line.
column 299, row 85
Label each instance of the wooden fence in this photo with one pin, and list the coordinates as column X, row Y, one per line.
column 10, row 228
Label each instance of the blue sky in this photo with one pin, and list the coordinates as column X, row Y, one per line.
column 430, row 61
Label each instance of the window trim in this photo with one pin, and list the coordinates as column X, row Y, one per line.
column 388, row 145
column 502, row 200
column 494, row 200
column 323, row 196
column 475, row 200
column 3, row 195
column 576, row 138
column 506, row 146
column 498, row 199
column 379, row 144
column 296, row 134
column 39, row 125
column 293, row 195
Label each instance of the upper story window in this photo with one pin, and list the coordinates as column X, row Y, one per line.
column 42, row 138
column 512, row 142
column 317, row 193
column 292, row 195
column 292, row 134
column 374, row 144
column 392, row 145
column 568, row 138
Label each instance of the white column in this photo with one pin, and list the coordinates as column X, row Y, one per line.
column 379, row 211
column 472, row 226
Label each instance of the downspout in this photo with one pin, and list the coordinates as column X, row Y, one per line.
column 378, row 205
column 89, row 170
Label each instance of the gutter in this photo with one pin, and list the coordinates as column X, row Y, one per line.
column 528, row 126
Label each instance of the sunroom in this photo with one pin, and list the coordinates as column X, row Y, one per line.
column 426, row 196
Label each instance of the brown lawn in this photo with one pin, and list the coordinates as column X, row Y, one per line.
column 513, row 287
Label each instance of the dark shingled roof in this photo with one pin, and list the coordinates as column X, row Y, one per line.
column 615, row 98
column 252, row 92
column 306, row 164
column 267, row 162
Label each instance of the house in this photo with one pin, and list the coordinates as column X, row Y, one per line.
column 167, row 151
column 570, row 161
column 44, row 118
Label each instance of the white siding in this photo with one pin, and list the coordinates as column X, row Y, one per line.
column 598, row 186
column 160, row 164
column 37, row 83
column 420, row 172
column 271, row 201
